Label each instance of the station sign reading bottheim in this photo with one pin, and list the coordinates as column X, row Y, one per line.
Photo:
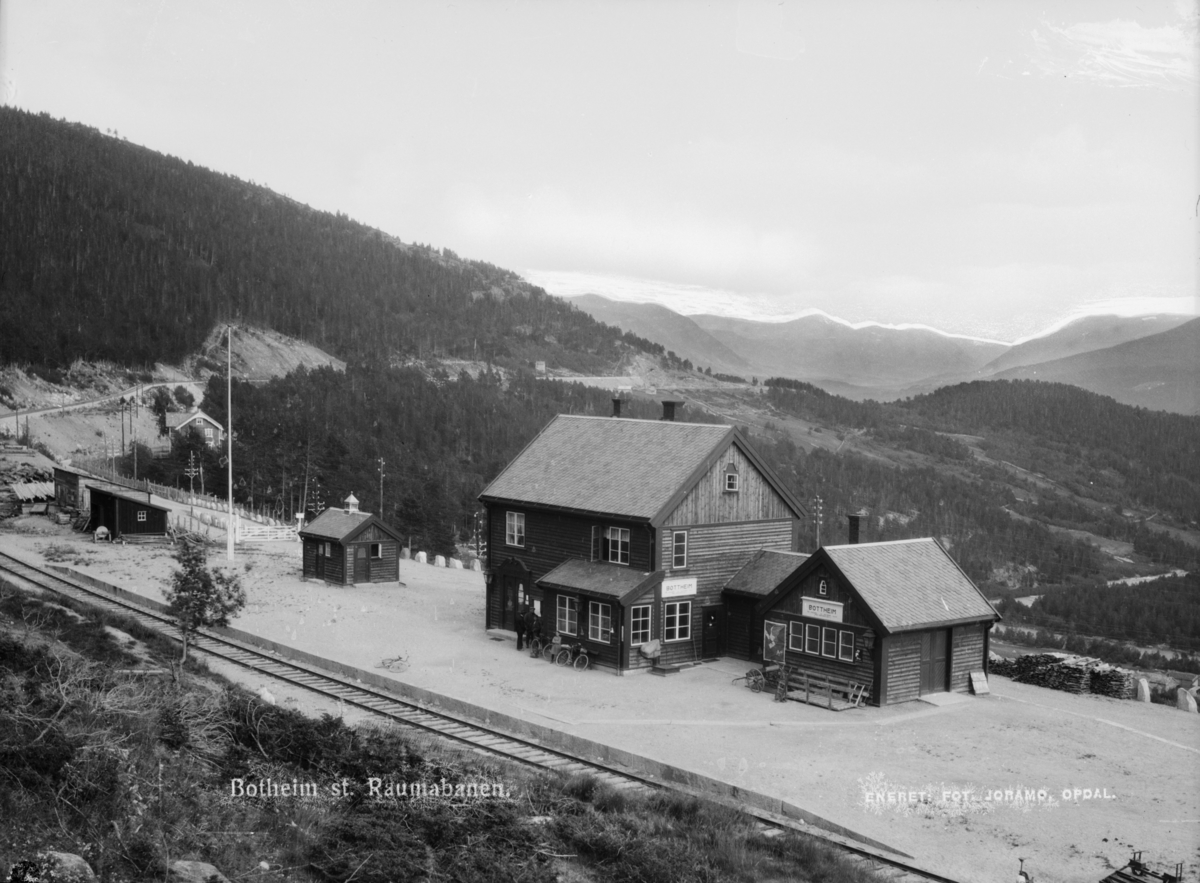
column 678, row 588
column 816, row 609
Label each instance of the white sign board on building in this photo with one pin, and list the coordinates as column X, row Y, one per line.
column 679, row 588
column 815, row 608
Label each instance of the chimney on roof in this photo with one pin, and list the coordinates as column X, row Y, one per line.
column 669, row 410
column 351, row 504
column 616, row 406
column 855, row 519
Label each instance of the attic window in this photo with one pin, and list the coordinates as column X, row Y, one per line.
column 823, row 588
column 731, row 479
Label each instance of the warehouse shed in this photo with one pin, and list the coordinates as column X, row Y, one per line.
column 126, row 514
column 899, row 618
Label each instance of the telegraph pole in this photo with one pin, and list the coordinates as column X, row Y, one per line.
column 818, row 517
column 381, row 487
column 231, row 527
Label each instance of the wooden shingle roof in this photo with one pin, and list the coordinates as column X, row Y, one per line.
column 635, row 469
column 765, row 570
column 177, row 420
column 600, row 578
column 910, row 584
column 342, row 526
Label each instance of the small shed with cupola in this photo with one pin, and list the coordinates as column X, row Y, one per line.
column 899, row 618
column 347, row 547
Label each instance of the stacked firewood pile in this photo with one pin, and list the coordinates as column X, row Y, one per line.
column 1075, row 674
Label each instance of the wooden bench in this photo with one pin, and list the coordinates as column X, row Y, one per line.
column 834, row 693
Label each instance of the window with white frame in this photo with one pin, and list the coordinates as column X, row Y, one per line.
column 679, row 549
column 597, row 553
column 208, row 432
column 567, row 620
column 731, row 479
column 677, row 621
column 846, row 646
column 796, row 636
column 812, row 639
column 829, row 642
column 618, row 545
column 599, row 622
column 141, row 515
column 514, row 528
column 376, row 550
column 639, row 624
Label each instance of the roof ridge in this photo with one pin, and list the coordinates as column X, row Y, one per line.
column 642, row 420
column 881, row 543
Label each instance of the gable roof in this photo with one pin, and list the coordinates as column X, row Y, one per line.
column 765, row 570
column 177, row 420
column 907, row 585
column 637, row 469
column 342, row 527
column 600, row 578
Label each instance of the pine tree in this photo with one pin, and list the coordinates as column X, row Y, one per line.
column 198, row 597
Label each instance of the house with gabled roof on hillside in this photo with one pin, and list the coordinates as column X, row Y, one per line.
column 899, row 618
column 622, row 534
column 175, row 422
column 347, row 546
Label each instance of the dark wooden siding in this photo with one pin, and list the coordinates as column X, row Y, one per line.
column 967, row 655
column 709, row 502
column 552, row 537
column 903, row 667
column 601, row 653
column 810, row 587
column 860, row 672
column 743, row 630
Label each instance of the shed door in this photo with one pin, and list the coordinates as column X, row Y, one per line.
column 711, row 644
column 362, row 566
column 933, row 661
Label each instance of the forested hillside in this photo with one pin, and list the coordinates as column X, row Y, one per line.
column 1113, row 453
column 112, row 251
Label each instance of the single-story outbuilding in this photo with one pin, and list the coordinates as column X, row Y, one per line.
column 760, row 576
column 126, row 513
column 346, row 546
column 899, row 618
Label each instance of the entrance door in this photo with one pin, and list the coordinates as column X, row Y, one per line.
column 933, row 661
column 711, row 641
column 319, row 562
column 508, row 603
column 362, row 567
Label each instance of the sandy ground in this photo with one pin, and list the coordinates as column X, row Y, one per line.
column 1139, row 763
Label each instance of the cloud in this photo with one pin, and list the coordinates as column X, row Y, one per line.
column 1120, row 53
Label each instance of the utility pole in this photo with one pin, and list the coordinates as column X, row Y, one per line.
column 231, row 527
column 818, row 517
column 122, row 403
column 191, row 472
column 381, row 487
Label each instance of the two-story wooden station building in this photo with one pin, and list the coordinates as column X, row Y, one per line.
column 622, row 534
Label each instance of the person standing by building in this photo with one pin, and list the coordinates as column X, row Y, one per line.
column 521, row 611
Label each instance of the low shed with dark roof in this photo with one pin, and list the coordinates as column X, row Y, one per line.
column 346, row 546
column 900, row 618
column 126, row 513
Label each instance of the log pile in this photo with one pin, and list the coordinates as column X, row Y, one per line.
column 1075, row 674
column 17, row 473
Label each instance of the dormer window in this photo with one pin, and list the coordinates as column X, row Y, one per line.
column 732, row 485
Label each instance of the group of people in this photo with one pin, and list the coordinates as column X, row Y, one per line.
column 529, row 625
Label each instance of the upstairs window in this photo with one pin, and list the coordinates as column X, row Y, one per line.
column 732, row 485
column 678, row 549
column 597, row 551
column 514, row 529
column 618, row 545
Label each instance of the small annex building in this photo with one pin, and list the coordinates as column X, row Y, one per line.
column 127, row 514
column 177, row 423
column 346, row 546
column 622, row 534
column 900, row 618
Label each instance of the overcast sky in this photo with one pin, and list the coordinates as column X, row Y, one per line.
column 987, row 168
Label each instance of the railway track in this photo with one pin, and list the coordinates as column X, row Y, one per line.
column 465, row 733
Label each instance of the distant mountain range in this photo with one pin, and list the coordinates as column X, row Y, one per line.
column 1150, row 361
